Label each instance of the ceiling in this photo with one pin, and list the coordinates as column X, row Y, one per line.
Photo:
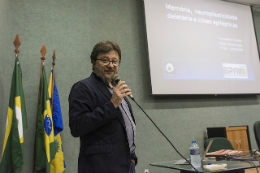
column 248, row 2
column 254, row 3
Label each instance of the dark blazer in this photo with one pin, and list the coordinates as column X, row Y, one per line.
column 103, row 140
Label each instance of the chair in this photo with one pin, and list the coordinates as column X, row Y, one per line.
column 218, row 144
column 257, row 133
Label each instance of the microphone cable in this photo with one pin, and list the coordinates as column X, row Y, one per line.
column 240, row 158
column 162, row 133
column 250, row 161
column 115, row 79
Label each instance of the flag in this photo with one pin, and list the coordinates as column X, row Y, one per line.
column 46, row 147
column 58, row 163
column 16, row 123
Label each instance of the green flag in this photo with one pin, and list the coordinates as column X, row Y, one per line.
column 46, row 146
column 16, row 123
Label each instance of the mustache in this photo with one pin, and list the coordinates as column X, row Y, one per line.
column 110, row 69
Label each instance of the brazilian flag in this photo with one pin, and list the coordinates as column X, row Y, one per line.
column 58, row 163
column 46, row 147
column 16, row 123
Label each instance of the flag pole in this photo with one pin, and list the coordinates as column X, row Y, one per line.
column 17, row 43
column 52, row 87
column 43, row 53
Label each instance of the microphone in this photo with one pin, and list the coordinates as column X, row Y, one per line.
column 115, row 79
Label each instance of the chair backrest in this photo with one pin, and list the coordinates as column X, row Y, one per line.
column 257, row 133
column 218, row 144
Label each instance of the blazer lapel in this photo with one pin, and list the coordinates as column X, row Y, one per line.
column 130, row 108
column 101, row 85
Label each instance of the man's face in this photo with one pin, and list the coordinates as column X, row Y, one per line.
column 105, row 72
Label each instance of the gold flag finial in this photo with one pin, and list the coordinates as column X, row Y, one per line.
column 17, row 43
column 53, row 57
column 43, row 51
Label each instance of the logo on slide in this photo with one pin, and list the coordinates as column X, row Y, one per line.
column 169, row 69
column 234, row 71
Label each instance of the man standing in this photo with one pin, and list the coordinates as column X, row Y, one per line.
column 102, row 117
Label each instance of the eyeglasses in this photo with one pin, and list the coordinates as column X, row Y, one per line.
column 107, row 62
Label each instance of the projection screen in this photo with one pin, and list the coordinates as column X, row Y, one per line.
column 201, row 47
